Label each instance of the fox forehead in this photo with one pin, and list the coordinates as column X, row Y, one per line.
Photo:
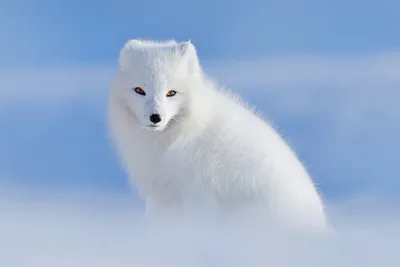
column 152, row 74
column 158, row 64
column 149, row 56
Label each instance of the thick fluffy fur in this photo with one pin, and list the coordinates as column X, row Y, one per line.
column 209, row 149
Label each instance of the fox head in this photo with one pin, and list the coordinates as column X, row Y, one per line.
column 154, row 78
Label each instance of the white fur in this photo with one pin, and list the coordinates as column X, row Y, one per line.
column 209, row 149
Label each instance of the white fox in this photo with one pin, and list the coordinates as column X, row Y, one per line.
column 183, row 141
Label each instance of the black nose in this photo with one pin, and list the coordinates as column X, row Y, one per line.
column 155, row 118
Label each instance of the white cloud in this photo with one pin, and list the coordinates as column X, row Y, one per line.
column 36, row 86
column 336, row 68
column 353, row 83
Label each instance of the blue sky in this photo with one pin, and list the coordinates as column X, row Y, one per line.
column 83, row 32
column 326, row 74
column 59, row 57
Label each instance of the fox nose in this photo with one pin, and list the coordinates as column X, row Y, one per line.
column 155, row 118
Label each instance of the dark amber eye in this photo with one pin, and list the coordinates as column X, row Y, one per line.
column 171, row 93
column 140, row 91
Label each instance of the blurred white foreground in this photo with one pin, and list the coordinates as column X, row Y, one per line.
column 89, row 230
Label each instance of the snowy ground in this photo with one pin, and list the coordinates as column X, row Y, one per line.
column 95, row 230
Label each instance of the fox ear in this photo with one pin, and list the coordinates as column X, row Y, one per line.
column 126, row 53
column 188, row 53
column 134, row 43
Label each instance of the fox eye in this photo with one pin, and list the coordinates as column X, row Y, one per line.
column 171, row 93
column 140, row 91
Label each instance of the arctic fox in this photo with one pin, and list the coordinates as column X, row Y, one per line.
column 182, row 140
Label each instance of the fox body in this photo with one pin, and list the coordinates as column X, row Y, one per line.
column 186, row 143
